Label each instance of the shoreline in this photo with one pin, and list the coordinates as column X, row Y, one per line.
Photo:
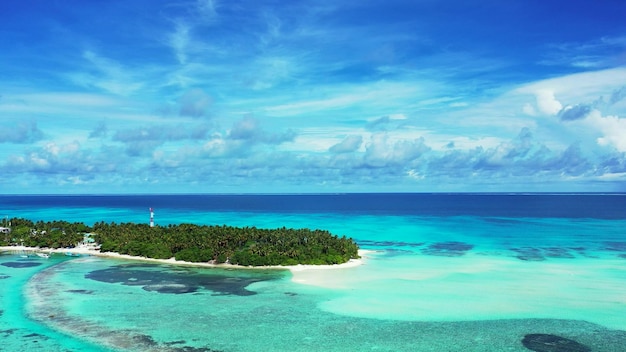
column 83, row 250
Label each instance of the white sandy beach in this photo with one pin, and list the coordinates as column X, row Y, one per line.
column 84, row 250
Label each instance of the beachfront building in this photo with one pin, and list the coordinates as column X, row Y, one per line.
column 6, row 231
column 89, row 241
column 5, row 237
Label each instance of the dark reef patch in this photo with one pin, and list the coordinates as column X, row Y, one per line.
column 557, row 252
column 3, row 276
column 178, row 342
column 552, row 343
column 158, row 279
column 194, row 349
column 7, row 332
column 529, row 254
column 448, row 249
column 144, row 340
column 615, row 246
column 85, row 292
column 23, row 264
column 36, row 336
column 580, row 251
column 535, row 254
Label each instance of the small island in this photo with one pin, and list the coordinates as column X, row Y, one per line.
column 243, row 246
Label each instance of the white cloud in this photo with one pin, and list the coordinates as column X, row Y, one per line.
column 579, row 87
column 529, row 109
column 318, row 139
column 547, row 103
column 597, row 53
column 397, row 116
column 613, row 129
column 268, row 72
column 382, row 151
column 179, row 41
column 206, row 10
column 374, row 94
column 299, row 67
column 20, row 132
column 110, row 75
column 349, row 144
column 194, row 103
column 69, row 98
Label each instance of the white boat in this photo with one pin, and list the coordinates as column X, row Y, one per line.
column 43, row 255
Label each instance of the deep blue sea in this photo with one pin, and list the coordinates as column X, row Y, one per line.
column 442, row 272
column 559, row 205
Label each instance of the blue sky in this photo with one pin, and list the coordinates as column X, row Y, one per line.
column 150, row 96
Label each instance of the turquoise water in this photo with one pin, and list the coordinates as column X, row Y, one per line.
column 18, row 331
column 431, row 283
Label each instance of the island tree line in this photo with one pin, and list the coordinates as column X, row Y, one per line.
column 248, row 246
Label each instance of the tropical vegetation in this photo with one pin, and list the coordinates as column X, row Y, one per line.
column 248, row 246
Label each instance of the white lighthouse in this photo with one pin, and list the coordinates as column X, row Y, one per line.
column 151, row 218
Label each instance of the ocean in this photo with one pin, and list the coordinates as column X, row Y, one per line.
column 442, row 272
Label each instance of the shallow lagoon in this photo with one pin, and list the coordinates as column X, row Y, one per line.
column 433, row 283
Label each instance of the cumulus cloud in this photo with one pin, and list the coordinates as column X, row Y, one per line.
column 528, row 109
column 162, row 133
column 521, row 150
column 246, row 128
column 574, row 162
column 194, row 103
column 547, row 103
column 381, row 152
column 454, row 163
column 385, row 123
column 51, row 158
column 614, row 163
column 613, row 129
column 20, row 133
column 575, row 112
column 617, row 95
column 380, row 124
column 99, row 131
column 348, row 145
column 142, row 148
column 249, row 129
column 523, row 156
column 142, row 141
